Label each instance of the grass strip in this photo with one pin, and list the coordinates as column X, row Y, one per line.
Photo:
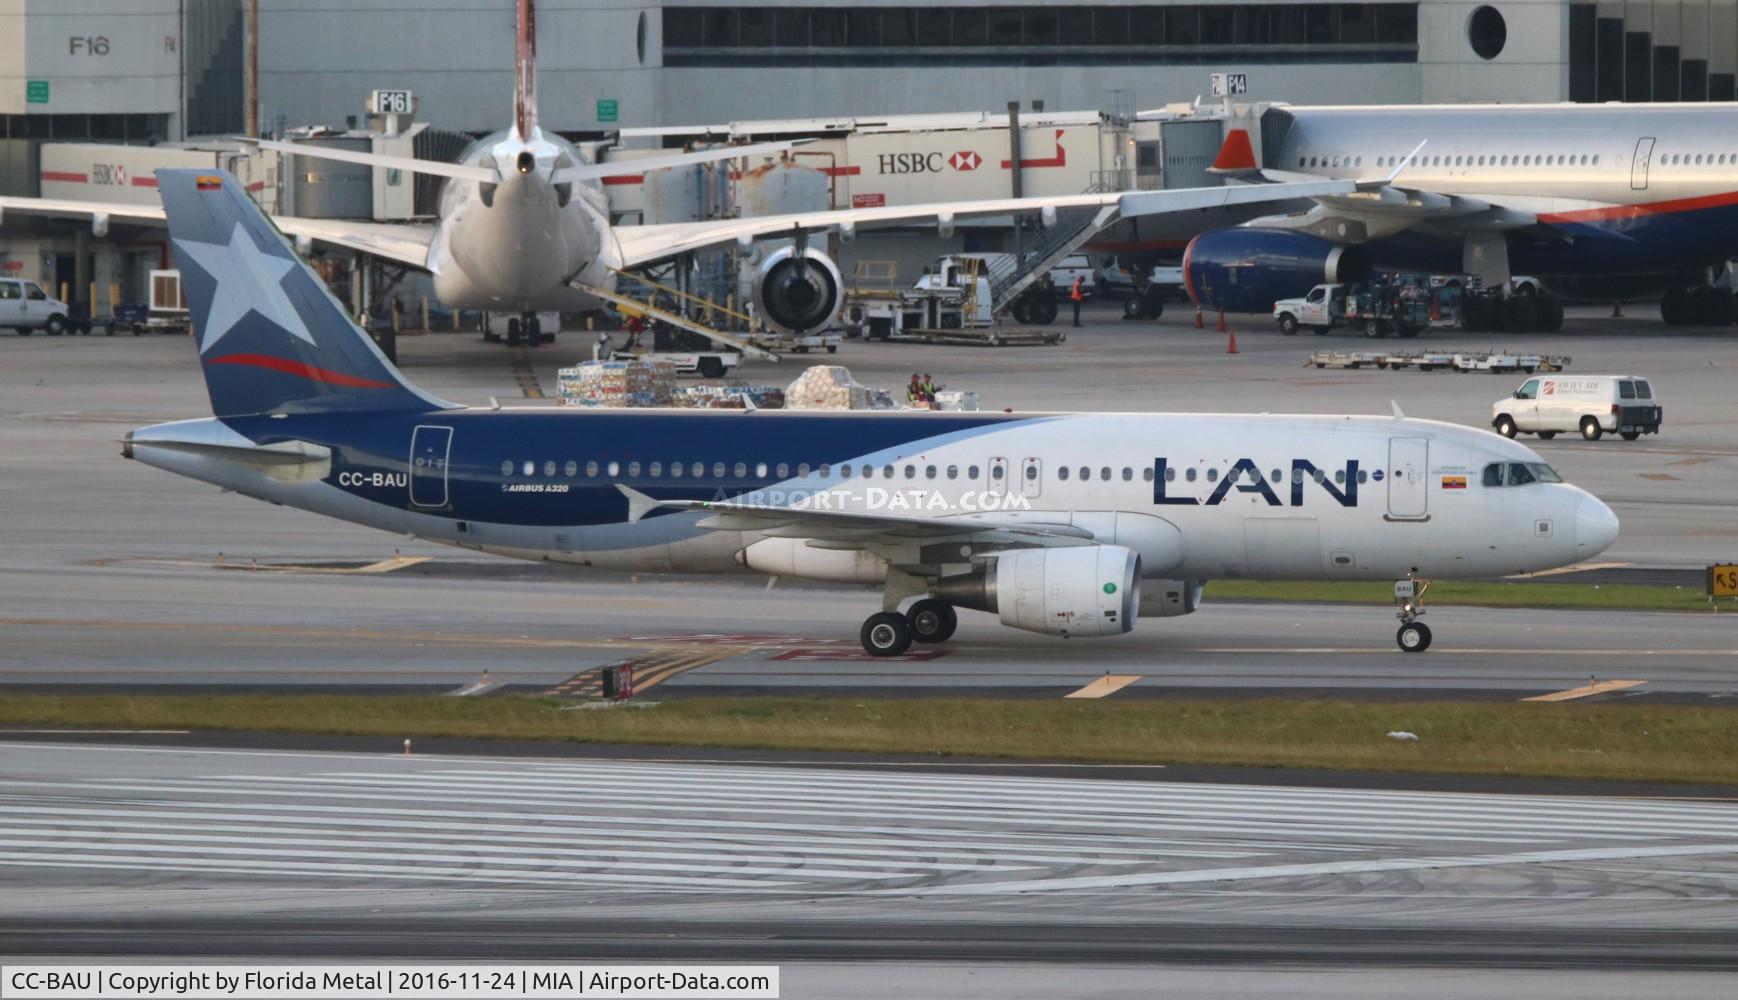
column 1609, row 597
column 1626, row 742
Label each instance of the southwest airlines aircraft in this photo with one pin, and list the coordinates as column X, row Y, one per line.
column 1062, row 524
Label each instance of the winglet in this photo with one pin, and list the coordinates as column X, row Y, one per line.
column 1236, row 155
column 1392, row 402
column 639, row 504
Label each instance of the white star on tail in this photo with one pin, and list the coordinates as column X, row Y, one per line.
column 247, row 278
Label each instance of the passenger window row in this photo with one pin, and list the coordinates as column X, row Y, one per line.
column 1504, row 160
column 738, row 470
column 1277, row 476
column 1698, row 159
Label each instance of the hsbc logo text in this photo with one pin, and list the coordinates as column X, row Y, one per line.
column 966, row 160
column 910, row 163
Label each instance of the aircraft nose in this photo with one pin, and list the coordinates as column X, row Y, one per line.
column 1595, row 527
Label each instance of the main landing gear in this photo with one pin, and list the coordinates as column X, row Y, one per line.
column 1414, row 635
column 526, row 329
column 890, row 633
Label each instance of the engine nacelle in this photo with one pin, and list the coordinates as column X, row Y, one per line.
column 1248, row 270
column 1087, row 590
column 797, row 293
column 1170, row 598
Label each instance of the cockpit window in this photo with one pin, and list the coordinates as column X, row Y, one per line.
column 1519, row 474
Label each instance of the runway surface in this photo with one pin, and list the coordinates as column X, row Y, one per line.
column 136, row 850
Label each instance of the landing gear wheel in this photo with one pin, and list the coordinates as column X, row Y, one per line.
column 1678, row 307
column 1506, row 426
column 513, row 332
column 1711, row 307
column 1590, row 429
column 1520, row 314
column 1550, row 315
column 1042, row 311
column 533, row 328
column 886, row 633
column 1288, row 324
column 1413, row 637
column 932, row 620
column 1155, row 303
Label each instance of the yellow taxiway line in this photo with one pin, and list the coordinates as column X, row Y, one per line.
column 1586, row 690
column 1107, row 685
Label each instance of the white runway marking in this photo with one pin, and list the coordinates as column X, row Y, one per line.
column 178, row 817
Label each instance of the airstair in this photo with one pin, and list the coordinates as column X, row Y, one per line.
column 653, row 306
column 1010, row 277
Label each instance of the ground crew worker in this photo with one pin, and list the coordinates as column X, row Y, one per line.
column 928, row 388
column 914, row 391
column 1076, row 295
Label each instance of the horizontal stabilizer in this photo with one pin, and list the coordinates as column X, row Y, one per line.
column 598, row 171
column 461, row 171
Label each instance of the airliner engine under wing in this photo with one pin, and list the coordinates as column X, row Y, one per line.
column 1062, row 524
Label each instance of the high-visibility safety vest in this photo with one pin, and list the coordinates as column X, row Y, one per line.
column 1075, row 292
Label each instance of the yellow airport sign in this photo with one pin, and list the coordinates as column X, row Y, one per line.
column 1723, row 580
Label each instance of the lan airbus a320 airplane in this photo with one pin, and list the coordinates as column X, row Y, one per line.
column 1062, row 524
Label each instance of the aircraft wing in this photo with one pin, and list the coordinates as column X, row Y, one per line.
column 1379, row 210
column 69, row 208
column 406, row 244
column 641, row 245
column 882, row 533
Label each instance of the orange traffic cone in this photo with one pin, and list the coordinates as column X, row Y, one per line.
column 1221, row 321
column 1231, row 348
column 1198, row 324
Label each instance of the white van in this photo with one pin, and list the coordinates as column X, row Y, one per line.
column 24, row 307
column 1590, row 404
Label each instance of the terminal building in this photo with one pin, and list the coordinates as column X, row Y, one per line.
column 875, row 82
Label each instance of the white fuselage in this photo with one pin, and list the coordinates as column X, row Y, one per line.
column 1544, row 159
column 515, row 246
column 1393, row 496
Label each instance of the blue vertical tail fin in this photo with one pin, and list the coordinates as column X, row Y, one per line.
column 272, row 339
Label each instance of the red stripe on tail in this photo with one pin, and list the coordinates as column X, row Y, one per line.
column 306, row 371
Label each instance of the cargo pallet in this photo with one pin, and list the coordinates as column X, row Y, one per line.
column 1497, row 362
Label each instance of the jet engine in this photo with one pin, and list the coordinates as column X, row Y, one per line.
column 797, row 291
column 1088, row 590
column 1248, row 270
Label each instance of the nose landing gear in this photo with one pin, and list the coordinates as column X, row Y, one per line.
column 526, row 329
column 1414, row 635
